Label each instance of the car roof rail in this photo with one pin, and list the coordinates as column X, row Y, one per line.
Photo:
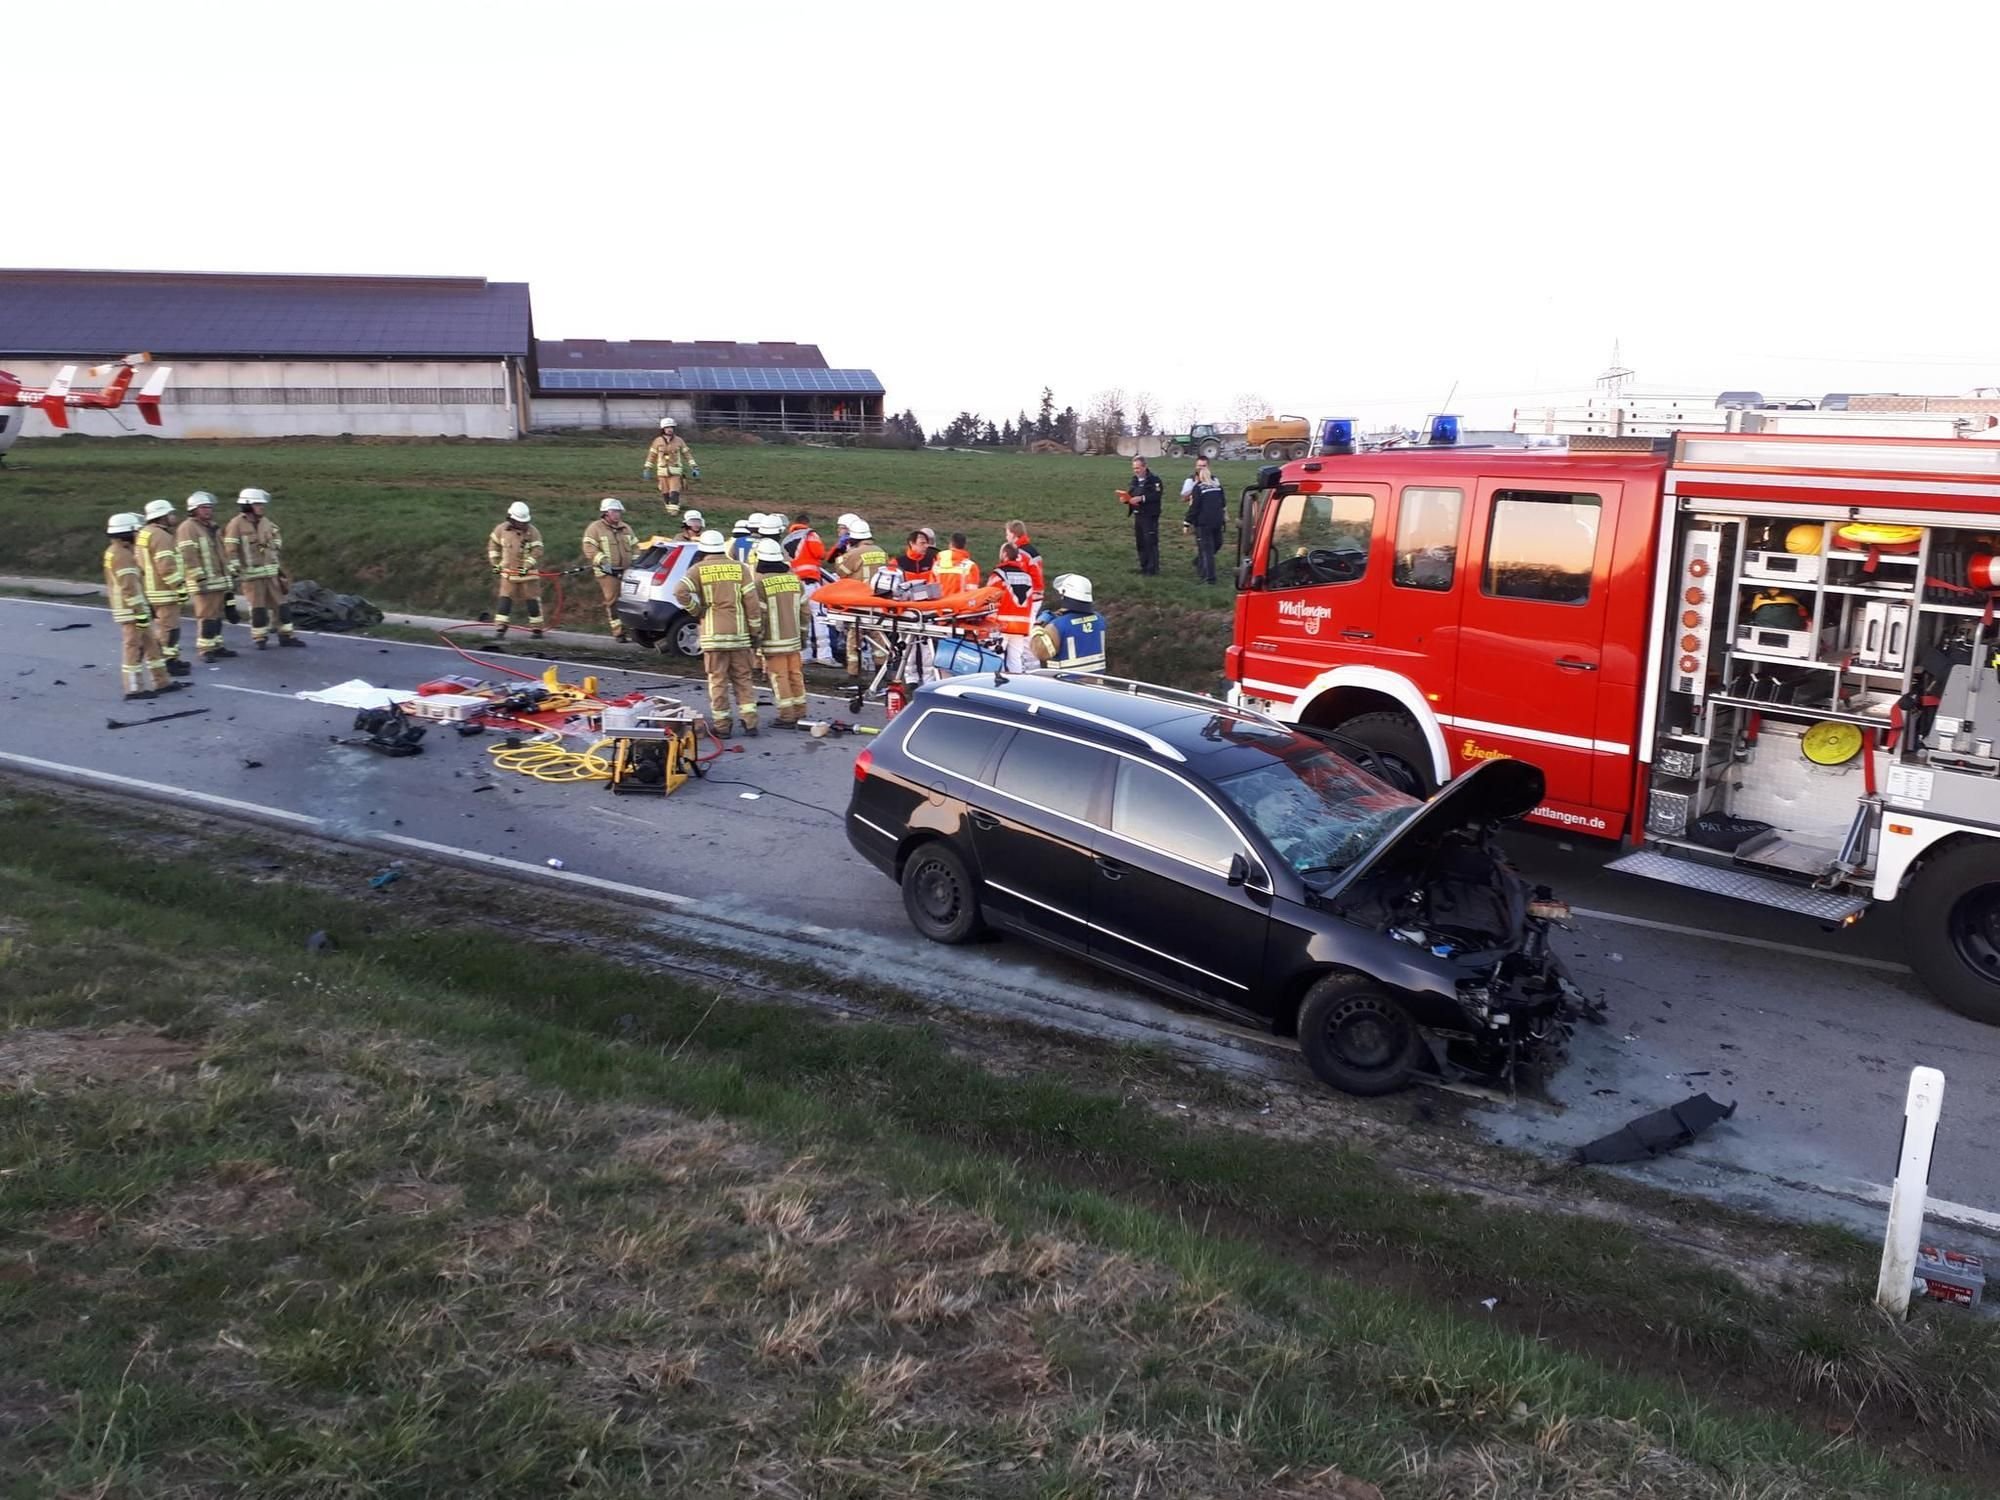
column 1036, row 708
column 1132, row 687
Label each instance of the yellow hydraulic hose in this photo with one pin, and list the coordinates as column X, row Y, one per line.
column 547, row 760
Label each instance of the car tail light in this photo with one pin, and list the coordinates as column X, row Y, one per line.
column 660, row 578
column 863, row 764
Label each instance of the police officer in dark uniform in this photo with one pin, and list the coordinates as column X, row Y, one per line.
column 1145, row 506
column 1207, row 514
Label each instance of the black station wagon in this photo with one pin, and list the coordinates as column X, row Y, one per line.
column 1232, row 861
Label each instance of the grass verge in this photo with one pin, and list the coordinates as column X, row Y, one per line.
column 447, row 1208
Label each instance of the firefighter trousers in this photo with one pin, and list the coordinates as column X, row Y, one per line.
column 206, row 606
column 267, row 607
column 526, row 592
column 787, row 671
column 729, row 672
column 143, row 665
column 167, row 628
column 607, row 585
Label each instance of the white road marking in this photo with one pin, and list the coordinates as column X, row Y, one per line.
column 133, row 783
column 1708, row 934
column 230, row 687
column 542, row 872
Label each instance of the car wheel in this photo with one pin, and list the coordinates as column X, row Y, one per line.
column 1357, row 1036
column 939, row 895
column 685, row 638
column 1399, row 745
column 1951, row 918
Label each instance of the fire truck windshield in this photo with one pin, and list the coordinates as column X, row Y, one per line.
column 1320, row 811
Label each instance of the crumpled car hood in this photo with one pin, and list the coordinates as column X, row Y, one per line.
column 1494, row 792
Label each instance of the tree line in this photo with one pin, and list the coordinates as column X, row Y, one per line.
column 1109, row 416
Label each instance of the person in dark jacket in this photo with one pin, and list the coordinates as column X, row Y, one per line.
column 1143, row 500
column 1207, row 514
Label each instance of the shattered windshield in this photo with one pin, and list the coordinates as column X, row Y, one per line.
column 1320, row 812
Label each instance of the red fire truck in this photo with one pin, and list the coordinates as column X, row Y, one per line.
column 1767, row 662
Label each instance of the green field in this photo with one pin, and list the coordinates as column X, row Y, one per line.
column 406, row 523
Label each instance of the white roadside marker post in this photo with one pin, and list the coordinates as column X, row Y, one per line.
column 1910, row 1191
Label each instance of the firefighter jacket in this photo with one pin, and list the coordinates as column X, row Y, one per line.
column 669, row 455
column 860, row 560
column 160, row 564
column 203, row 564
column 608, row 544
column 1069, row 640
column 957, row 572
column 514, row 552
column 252, row 545
column 806, row 551
column 125, row 582
column 718, row 591
column 781, row 597
column 1016, row 613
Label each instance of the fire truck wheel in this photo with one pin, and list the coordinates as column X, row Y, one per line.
column 1358, row 1037
column 1951, row 917
column 1400, row 744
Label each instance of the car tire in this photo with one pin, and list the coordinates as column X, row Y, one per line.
column 684, row 639
column 1401, row 747
column 1357, row 1036
column 1951, row 921
column 939, row 894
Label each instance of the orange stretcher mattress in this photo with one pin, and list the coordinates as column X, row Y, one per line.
column 857, row 594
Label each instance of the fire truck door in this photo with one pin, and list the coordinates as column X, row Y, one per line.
column 1321, row 584
column 1417, row 628
column 1531, row 639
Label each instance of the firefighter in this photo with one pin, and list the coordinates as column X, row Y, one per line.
column 957, row 572
column 1071, row 636
column 166, row 582
column 514, row 552
column 1014, row 620
column 607, row 548
column 692, row 526
column 781, row 597
column 144, row 669
column 256, row 566
column 860, row 559
column 672, row 460
column 718, row 591
column 206, row 571
column 743, row 537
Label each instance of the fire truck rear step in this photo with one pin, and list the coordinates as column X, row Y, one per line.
column 1827, row 906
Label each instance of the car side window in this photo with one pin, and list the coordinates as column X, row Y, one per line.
column 953, row 742
column 1161, row 811
column 1541, row 546
column 1058, row 774
column 1319, row 539
column 1427, row 537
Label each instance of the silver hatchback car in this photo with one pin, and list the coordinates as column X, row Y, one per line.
column 646, row 599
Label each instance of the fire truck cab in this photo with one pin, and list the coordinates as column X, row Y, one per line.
column 1767, row 662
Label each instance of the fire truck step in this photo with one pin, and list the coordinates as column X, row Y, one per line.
column 1827, row 906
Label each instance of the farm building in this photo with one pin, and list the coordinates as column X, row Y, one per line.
column 283, row 356
column 595, row 383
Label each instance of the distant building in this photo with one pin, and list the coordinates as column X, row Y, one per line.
column 283, row 356
column 594, row 383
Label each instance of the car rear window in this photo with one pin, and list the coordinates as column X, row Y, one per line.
column 1060, row 775
column 957, row 743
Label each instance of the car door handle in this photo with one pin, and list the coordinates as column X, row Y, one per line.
column 1110, row 869
column 1575, row 664
column 983, row 823
column 1358, row 635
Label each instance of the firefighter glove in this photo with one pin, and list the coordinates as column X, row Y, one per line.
column 647, row 472
column 694, row 471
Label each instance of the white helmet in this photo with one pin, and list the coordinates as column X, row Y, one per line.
column 159, row 510
column 198, row 499
column 848, row 521
column 609, row 504
column 692, row 518
column 122, row 523
column 1075, row 587
column 666, row 424
column 770, row 551
column 772, row 525
column 253, row 497
column 741, row 528
column 859, row 531
column 518, row 511
column 711, row 541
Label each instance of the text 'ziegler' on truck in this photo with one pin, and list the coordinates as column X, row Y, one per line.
column 1770, row 663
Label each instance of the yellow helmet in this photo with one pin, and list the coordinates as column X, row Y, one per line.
column 1804, row 537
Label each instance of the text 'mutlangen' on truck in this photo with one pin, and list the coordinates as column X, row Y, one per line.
column 1769, row 663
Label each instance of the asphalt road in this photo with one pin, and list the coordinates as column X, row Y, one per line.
column 1813, row 1033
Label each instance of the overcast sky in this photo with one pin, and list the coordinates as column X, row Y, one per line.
column 1344, row 208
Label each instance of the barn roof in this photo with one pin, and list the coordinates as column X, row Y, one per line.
column 691, row 378
column 673, row 354
column 183, row 315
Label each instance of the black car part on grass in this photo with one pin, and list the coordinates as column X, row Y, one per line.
column 1656, row 1134
column 315, row 608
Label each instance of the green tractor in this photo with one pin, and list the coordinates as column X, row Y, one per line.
column 1203, row 440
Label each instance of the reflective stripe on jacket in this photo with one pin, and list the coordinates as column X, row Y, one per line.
column 608, row 546
column 160, row 564
column 860, row 560
column 717, row 591
column 806, row 551
column 202, row 562
column 1071, row 642
column 516, row 553
column 782, row 597
column 1016, row 613
column 252, row 545
column 957, row 572
column 125, row 582
column 669, row 455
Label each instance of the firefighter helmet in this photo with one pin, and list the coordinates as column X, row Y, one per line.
column 711, row 541
column 741, row 528
column 159, row 510
column 860, row 531
column 770, row 551
column 253, row 497
column 609, row 504
column 122, row 523
column 198, row 499
column 1075, row 588
column 518, row 512
column 1804, row 537
column 666, row 424
column 692, row 517
column 848, row 521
